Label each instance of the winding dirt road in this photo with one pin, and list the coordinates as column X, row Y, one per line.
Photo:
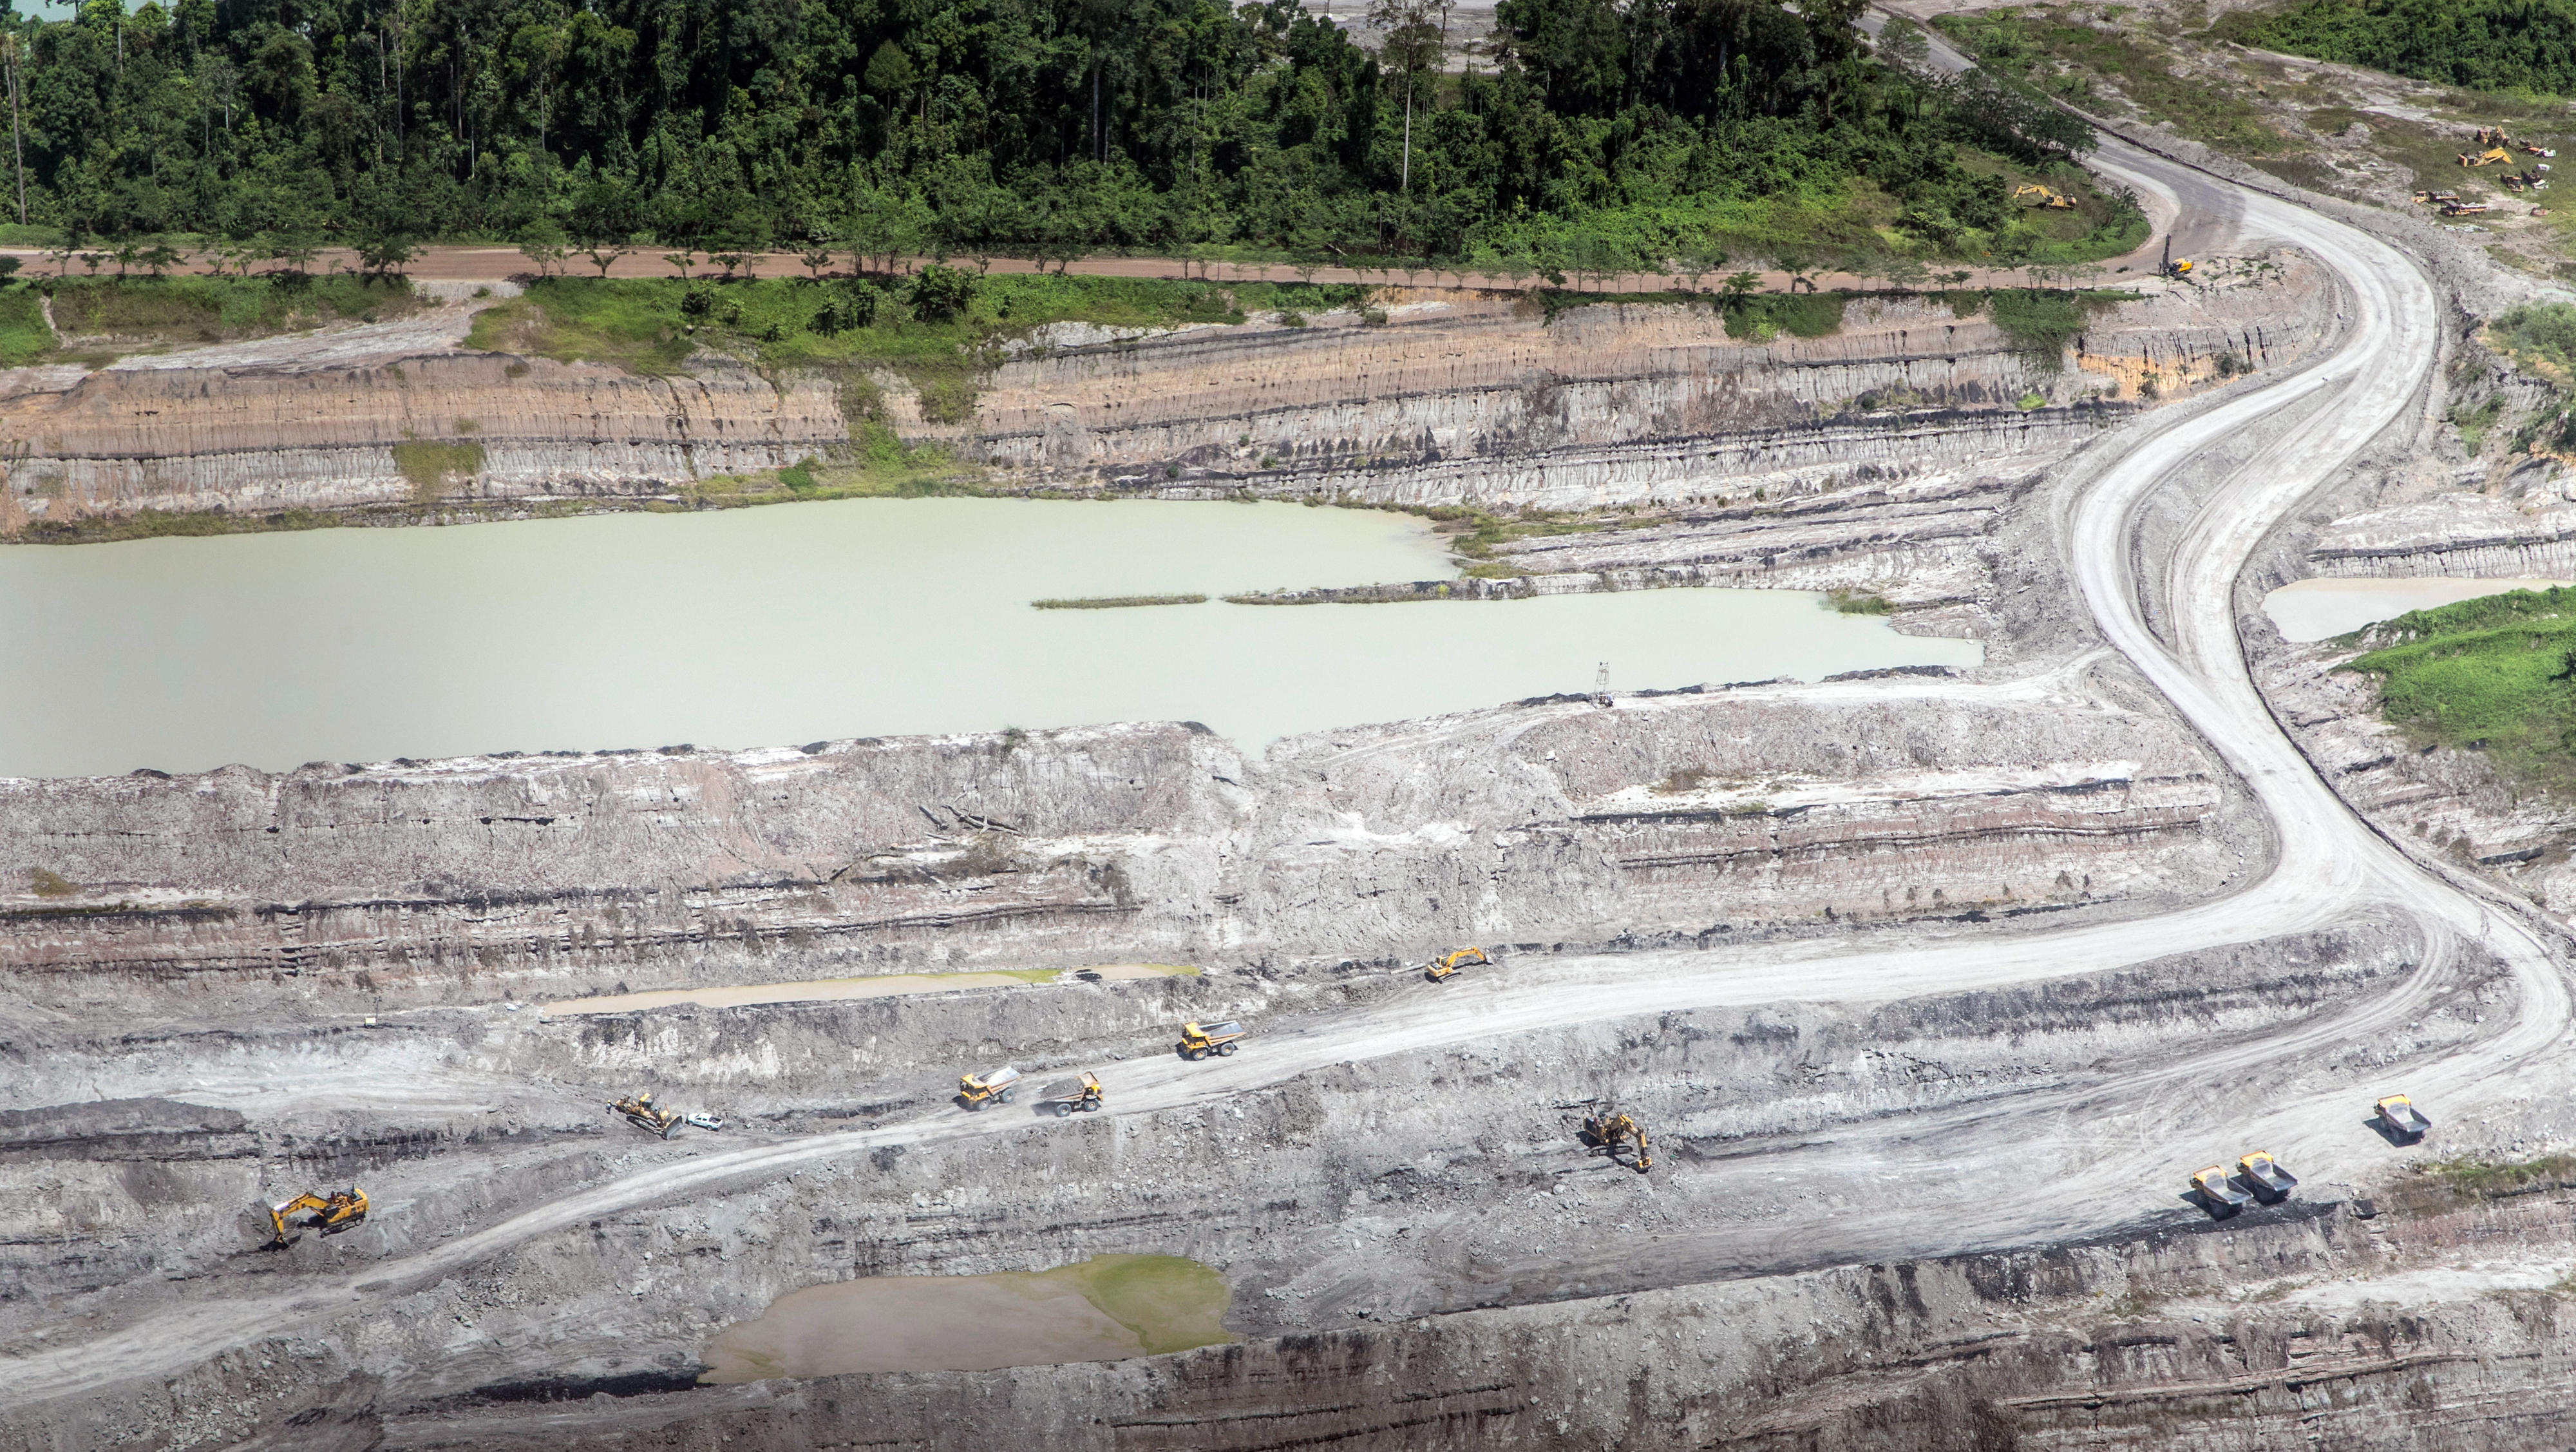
column 2170, row 615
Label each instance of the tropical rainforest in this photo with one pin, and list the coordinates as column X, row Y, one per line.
column 2486, row 45
column 1596, row 133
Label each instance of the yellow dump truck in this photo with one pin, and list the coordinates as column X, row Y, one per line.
column 1076, row 1097
column 977, row 1090
column 2402, row 1119
column 2219, row 1193
column 1200, row 1040
column 2266, row 1177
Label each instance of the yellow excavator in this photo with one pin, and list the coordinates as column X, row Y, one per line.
column 639, row 1112
column 2488, row 157
column 1615, row 1134
column 331, row 1214
column 2175, row 267
column 2039, row 196
column 1439, row 969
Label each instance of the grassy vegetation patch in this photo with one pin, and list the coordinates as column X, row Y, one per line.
column 2484, row 1179
column 939, row 330
column 2541, row 337
column 1765, row 316
column 1473, row 533
column 2496, row 674
column 2493, row 45
column 2041, row 323
column 2063, row 52
column 24, row 338
column 1116, row 602
column 161, row 311
column 1858, row 602
column 169, row 524
column 876, row 465
column 433, row 468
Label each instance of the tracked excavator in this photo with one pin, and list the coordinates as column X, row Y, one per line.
column 1616, row 1135
column 1439, row 969
column 639, row 1112
column 331, row 1213
column 2174, row 266
column 2036, row 195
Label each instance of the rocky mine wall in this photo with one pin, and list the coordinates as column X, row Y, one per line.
column 1503, row 406
column 1420, row 1254
column 2134, row 1346
column 1485, row 402
column 1670, row 818
column 2527, row 533
column 2449, row 804
column 408, row 428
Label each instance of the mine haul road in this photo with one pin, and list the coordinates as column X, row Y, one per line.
column 2120, row 1146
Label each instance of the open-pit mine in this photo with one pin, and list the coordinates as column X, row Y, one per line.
column 1980, row 1046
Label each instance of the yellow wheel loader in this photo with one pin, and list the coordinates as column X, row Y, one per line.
column 331, row 1214
column 1439, row 969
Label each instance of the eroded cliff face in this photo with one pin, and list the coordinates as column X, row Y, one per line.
column 2526, row 529
column 2241, row 1341
column 398, row 414
column 1498, row 405
column 1662, row 818
column 1476, row 400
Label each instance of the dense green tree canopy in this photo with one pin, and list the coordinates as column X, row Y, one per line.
column 963, row 125
column 2493, row 45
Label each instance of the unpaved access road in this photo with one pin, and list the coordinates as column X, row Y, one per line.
column 2331, row 866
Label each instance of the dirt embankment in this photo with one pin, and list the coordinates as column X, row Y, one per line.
column 1420, row 1253
column 389, row 415
column 1488, row 401
column 1503, row 407
column 1681, row 817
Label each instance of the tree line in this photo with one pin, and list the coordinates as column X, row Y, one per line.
column 1640, row 128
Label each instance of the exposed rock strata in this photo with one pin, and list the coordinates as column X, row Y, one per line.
column 2471, row 536
column 2447, row 802
column 1607, row 405
column 1680, row 815
column 1480, row 402
column 261, row 437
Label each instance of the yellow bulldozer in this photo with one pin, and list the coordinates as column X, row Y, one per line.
column 1617, row 1135
column 1439, row 969
column 639, row 1112
column 331, row 1213
column 2035, row 195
